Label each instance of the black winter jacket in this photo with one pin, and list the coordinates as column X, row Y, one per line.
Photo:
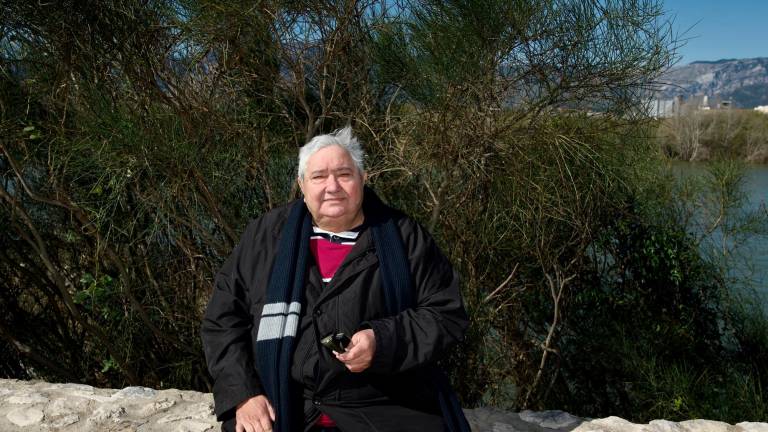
column 394, row 392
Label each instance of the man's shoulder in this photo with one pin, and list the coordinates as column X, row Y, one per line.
column 271, row 222
column 382, row 212
column 415, row 236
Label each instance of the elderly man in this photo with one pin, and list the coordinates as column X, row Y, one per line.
column 339, row 267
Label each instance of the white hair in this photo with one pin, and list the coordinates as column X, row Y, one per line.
column 340, row 137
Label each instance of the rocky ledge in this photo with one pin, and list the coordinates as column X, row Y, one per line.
column 41, row 406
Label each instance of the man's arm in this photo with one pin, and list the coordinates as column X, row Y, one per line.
column 226, row 332
column 422, row 334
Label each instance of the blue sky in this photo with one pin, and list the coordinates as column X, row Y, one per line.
column 720, row 29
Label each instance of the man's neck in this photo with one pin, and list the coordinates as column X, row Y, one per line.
column 337, row 226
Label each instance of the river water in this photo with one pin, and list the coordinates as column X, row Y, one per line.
column 750, row 260
column 756, row 187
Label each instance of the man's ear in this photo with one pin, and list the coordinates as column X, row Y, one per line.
column 301, row 185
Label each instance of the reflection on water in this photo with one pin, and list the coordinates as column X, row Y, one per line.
column 756, row 187
column 751, row 263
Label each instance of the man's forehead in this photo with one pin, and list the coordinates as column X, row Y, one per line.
column 344, row 167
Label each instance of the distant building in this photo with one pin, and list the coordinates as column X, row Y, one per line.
column 658, row 108
column 697, row 102
column 762, row 108
column 704, row 103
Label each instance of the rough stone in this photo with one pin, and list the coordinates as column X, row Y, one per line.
column 135, row 392
column 665, row 426
column 175, row 418
column 39, row 406
column 25, row 416
column 610, row 424
column 122, row 426
column 504, row 427
column 492, row 419
column 193, row 426
column 65, row 406
column 32, row 398
column 64, row 421
column 752, row 427
column 81, row 388
column 706, row 426
column 155, row 407
column 552, row 419
column 90, row 396
column 107, row 413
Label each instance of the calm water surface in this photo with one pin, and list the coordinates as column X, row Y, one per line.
column 753, row 254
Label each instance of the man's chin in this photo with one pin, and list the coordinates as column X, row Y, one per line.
column 334, row 214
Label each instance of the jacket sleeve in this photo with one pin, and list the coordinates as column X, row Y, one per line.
column 422, row 334
column 226, row 331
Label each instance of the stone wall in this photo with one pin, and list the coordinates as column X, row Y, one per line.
column 41, row 406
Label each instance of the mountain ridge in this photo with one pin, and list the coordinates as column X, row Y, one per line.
column 743, row 82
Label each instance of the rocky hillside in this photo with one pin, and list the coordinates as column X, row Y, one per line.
column 744, row 82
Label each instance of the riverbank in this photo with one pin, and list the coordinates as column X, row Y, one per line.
column 42, row 406
column 706, row 135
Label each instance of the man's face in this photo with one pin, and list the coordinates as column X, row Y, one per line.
column 333, row 189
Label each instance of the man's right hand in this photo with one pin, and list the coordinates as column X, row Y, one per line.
column 254, row 415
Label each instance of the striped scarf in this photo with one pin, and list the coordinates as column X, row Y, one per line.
column 280, row 315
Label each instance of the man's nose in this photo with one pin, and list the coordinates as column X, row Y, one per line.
column 333, row 183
